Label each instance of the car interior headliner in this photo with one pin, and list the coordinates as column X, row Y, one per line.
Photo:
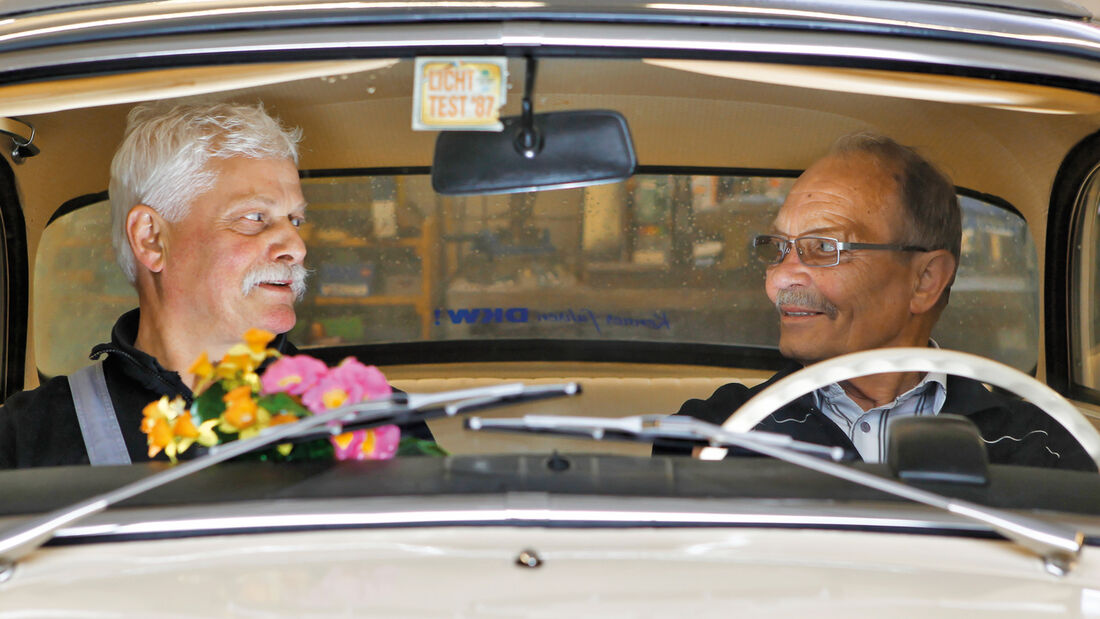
column 737, row 123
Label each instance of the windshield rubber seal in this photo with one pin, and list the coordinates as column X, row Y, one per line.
column 15, row 281
column 1064, row 220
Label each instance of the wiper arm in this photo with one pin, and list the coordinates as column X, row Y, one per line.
column 645, row 429
column 21, row 540
column 424, row 406
column 1057, row 545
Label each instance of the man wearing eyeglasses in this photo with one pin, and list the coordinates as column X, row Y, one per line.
column 862, row 255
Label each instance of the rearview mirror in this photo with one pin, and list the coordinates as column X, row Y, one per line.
column 565, row 149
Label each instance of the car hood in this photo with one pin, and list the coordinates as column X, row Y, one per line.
column 548, row 572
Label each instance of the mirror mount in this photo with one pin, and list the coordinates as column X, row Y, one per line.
column 529, row 141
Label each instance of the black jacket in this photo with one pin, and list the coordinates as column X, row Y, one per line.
column 40, row 428
column 1015, row 432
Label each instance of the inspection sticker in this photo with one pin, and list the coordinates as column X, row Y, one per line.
column 459, row 93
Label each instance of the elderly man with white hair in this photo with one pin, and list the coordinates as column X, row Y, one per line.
column 206, row 208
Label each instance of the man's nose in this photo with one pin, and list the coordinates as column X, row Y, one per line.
column 288, row 245
column 789, row 272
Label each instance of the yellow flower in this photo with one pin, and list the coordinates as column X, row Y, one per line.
column 152, row 412
column 203, row 435
column 242, row 415
column 252, row 380
column 289, row 379
column 334, row 398
column 169, row 428
column 202, row 367
column 240, row 409
column 343, row 440
column 185, row 428
column 204, row 371
column 368, row 442
column 282, row 418
column 263, row 420
column 206, row 437
column 258, row 339
column 155, row 424
column 238, row 394
column 239, row 357
column 159, row 436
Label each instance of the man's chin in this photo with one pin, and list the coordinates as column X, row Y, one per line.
column 277, row 320
column 803, row 352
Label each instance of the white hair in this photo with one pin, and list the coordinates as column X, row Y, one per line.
column 164, row 156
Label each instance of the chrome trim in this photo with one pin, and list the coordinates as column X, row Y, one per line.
column 516, row 509
column 924, row 20
column 967, row 18
column 477, row 36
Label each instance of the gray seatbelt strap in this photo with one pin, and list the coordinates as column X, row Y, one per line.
column 96, row 413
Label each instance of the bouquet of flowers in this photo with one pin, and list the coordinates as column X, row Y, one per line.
column 234, row 400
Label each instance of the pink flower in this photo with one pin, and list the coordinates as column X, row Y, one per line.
column 350, row 382
column 376, row 444
column 294, row 375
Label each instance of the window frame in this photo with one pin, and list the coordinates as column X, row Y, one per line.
column 1064, row 223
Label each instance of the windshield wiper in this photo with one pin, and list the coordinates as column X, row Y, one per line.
column 1057, row 545
column 21, row 540
column 645, row 429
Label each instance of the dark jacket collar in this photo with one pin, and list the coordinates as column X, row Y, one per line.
column 964, row 396
column 145, row 368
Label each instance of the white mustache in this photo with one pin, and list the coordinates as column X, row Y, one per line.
column 808, row 299
column 296, row 274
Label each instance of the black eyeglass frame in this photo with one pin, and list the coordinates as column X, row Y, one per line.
column 785, row 244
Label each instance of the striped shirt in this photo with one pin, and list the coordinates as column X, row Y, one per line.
column 869, row 429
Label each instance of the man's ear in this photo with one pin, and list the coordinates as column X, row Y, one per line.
column 145, row 230
column 934, row 272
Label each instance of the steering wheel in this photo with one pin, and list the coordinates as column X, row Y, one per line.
column 882, row 360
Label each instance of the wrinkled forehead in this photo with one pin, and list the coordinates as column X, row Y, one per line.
column 244, row 182
column 850, row 195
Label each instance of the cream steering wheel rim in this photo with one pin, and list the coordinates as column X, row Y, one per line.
column 882, row 360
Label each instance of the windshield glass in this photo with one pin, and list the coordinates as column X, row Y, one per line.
column 659, row 258
column 650, row 292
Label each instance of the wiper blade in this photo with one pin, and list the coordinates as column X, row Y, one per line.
column 1057, row 545
column 646, row 429
column 425, row 406
column 21, row 540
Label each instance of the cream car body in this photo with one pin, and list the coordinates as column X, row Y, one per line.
column 1004, row 98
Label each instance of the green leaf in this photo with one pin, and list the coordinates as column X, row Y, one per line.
column 209, row 404
column 277, row 403
column 412, row 446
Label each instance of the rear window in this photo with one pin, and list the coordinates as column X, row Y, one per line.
column 659, row 258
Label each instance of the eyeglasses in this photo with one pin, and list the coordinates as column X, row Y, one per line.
column 813, row 251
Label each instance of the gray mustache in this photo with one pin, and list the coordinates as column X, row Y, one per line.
column 295, row 273
column 808, row 299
